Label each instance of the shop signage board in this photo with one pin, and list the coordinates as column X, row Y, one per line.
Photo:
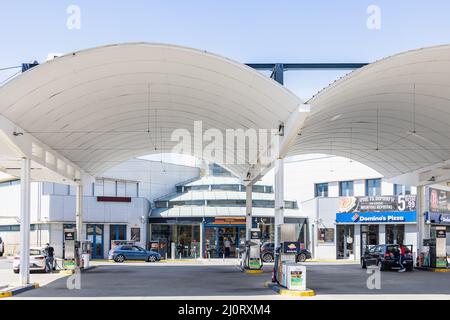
column 403, row 203
column 439, row 207
column 376, row 217
column 439, row 201
column 291, row 247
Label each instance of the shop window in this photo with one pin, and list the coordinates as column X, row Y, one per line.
column 259, row 189
column 161, row 204
column 98, row 188
column 395, row 234
column 225, row 187
column 109, row 188
column 321, row 190
column 401, row 190
column 346, row 188
column 373, row 187
column 345, row 241
column 132, row 189
column 186, row 203
column 136, row 234
column 201, row 187
column 117, row 232
column 326, row 235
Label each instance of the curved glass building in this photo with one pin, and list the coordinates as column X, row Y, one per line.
column 206, row 213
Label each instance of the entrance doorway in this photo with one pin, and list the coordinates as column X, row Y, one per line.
column 369, row 236
column 95, row 235
column 117, row 232
column 345, row 244
column 219, row 238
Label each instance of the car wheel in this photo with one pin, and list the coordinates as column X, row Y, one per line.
column 267, row 257
column 380, row 265
column 119, row 258
column 409, row 269
column 151, row 259
column 16, row 270
column 301, row 257
column 1, row 254
column 363, row 264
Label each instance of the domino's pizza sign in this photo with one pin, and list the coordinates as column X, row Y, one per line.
column 376, row 217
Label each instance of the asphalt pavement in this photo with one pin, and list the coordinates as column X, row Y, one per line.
column 175, row 281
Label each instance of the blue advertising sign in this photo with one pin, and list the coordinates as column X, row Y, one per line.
column 438, row 218
column 377, row 217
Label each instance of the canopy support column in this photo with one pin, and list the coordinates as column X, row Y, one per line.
column 421, row 220
column 248, row 211
column 79, row 214
column 279, row 199
column 25, row 222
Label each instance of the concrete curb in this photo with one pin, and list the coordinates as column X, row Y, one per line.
column 285, row 292
column 253, row 271
column 15, row 291
column 161, row 261
column 433, row 269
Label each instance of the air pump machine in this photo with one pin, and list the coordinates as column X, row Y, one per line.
column 252, row 254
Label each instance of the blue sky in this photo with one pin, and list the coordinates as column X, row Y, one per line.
column 244, row 30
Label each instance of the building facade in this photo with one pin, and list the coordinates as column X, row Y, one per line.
column 115, row 207
column 203, row 214
column 348, row 216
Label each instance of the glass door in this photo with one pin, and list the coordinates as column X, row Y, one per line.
column 95, row 235
column 369, row 237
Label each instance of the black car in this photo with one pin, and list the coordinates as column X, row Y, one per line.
column 387, row 256
column 267, row 253
column 2, row 247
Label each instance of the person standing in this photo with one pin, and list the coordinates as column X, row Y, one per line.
column 402, row 252
column 49, row 259
column 227, row 245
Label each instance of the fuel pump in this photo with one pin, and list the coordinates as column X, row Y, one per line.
column 71, row 254
column 86, row 249
column 287, row 272
column 70, row 250
column 252, row 254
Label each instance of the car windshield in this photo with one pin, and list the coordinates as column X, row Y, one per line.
column 35, row 252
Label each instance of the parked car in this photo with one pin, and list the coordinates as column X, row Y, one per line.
column 2, row 247
column 387, row 256
column 124, row 252
column 268, row 248
column 37, row 260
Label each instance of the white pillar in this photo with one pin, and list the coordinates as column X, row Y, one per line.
column 25, row 222
column 279, row 199
column 382, row 234
column 420, row 211
column 201, row 253
column 79, row 212
column 248, row 211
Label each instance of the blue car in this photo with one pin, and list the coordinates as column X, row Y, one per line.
column 122, row 253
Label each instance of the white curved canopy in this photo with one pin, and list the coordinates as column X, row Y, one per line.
column 392, row 115
column 102, row 106
column 95, row 108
